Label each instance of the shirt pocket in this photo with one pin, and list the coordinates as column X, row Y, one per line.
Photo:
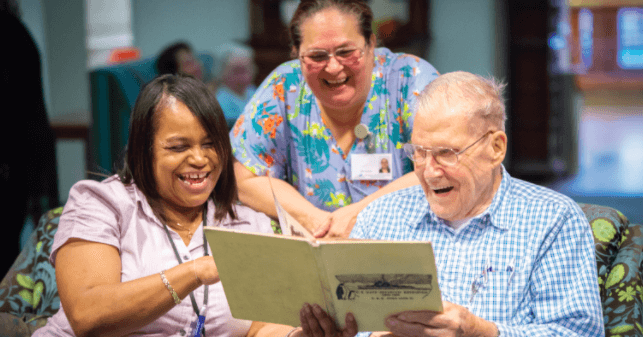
column 503, row 295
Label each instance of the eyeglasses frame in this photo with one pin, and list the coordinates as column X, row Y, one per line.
column 362, row 51
column 433, row 151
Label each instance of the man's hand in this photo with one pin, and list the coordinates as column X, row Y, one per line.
column 456, row 320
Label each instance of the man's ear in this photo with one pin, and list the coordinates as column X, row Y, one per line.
column 294, row 53
column 498, row 147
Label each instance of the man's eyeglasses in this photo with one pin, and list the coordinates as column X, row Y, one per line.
column 318, row 58
column 443, row 156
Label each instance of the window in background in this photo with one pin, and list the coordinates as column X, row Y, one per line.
column 606, row 57
column 586, row 33
column 629, row 31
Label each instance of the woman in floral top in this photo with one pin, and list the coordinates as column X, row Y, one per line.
column 300, row 125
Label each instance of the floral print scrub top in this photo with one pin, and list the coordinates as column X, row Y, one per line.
column 281, row 130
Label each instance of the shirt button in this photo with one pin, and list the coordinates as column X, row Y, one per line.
column 186, row 258
column 182, row 332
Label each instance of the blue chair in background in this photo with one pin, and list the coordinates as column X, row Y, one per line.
column 113, row 92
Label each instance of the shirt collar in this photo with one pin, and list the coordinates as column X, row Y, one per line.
column 493, row 211
column 141, row 200
column 489, row 216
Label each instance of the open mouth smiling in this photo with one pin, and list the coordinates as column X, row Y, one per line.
column 442, row 190
column 335, row 83
column 193, row 178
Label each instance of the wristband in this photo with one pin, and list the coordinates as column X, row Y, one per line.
column 176, row 298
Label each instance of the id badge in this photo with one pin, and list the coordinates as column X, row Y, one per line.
column 199, row 326
column 375, row 166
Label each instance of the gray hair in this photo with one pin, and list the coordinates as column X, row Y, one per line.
column 227, row 52
column 483, row 95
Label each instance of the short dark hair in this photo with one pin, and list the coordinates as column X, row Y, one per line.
column 138, row 167
column 166, row 62
column 308, row 8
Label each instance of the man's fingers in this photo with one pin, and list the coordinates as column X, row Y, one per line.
column 402, row 328
column 423, row 317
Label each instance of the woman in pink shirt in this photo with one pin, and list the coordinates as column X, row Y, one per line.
column 130, row 254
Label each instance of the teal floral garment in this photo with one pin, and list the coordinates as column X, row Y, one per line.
column 281, row 130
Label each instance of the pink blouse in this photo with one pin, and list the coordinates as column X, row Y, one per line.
column 119, row 215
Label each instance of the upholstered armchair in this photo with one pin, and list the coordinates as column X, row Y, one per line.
column 28, row 292
column 619, row 259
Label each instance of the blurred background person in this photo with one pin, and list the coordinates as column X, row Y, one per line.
column 236, row 73
column 179, row 58
column 28, row 175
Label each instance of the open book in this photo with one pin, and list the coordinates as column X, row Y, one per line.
column 268, row 277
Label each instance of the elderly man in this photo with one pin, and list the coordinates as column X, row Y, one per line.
column 513, row 258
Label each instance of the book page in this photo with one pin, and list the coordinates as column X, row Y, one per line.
column 265, row 277
column 289, row 226
column 373, row 279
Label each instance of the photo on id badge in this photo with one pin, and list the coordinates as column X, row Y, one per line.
column 376, row 166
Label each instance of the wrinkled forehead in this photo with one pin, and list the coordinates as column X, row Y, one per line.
column 444, row 110
column 441, row 119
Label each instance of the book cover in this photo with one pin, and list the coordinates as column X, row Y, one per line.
column 268, row 277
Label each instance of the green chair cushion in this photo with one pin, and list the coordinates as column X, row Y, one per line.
column 619, row 259
column 29, row 288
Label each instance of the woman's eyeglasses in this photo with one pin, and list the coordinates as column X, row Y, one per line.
column 443, row 156
column 318, row 58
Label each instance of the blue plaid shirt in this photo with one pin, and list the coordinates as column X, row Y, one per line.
column 536, row 242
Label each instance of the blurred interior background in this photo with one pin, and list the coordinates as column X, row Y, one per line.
column 574, row 68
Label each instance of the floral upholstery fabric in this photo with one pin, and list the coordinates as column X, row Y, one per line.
column 619, row 260
column 28, row 293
